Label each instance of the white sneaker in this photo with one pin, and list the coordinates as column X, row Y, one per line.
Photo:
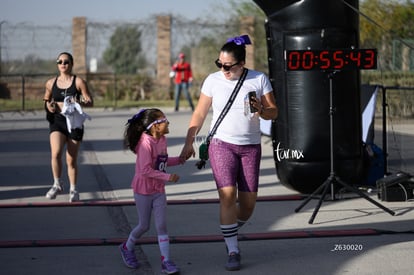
column 73, row 196
column 54, row 191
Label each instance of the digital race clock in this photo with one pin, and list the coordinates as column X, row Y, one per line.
column 331, row 59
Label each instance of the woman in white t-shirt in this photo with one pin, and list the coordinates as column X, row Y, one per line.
column 235, row 148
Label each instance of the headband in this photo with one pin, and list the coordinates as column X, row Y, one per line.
column 136, row 116
column 156, row 122
column 240, row 40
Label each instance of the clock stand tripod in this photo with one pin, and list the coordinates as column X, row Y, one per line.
column 333, row 178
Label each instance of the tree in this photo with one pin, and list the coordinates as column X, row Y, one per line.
column 233, row 10
column 385, row 17
column 387, row 24
column 404, row 25
column 123, row 53
column 373, row 24
column 249, row 8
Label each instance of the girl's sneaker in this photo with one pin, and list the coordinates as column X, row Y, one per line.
column 129, row 257
column 169, row 267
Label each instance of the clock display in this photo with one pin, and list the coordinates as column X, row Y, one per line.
column 331, row 59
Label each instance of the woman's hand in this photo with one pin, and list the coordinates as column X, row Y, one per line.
column 182, row 160
column 51, row 106
column 256, row 104
column 187, row 152
column 86, row 101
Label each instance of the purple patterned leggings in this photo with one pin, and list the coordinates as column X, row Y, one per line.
column 235, row 165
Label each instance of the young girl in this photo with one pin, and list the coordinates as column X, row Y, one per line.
column 145, row 136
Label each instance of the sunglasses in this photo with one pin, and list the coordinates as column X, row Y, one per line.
column 225, row 67
column 63, row 62
column 158, row 121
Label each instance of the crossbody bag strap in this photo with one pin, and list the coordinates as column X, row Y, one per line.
column 228, row 105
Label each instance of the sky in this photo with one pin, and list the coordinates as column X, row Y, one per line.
column 18, row 39
column 45, row 12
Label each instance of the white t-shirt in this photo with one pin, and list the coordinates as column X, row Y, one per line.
column 239, row 126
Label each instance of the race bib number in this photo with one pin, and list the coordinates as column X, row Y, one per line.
column 161, row 163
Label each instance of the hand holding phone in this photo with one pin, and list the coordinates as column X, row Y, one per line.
column 252, row 98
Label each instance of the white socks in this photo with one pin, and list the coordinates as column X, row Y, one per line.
column 57, row 182
column 230, row 232
column 164, row 243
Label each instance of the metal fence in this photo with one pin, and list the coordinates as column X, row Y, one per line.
column 25, row 41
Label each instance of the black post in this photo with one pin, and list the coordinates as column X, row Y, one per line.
column 384, row 129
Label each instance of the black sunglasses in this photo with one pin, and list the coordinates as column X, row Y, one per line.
column 64, row 62
column 225, row 67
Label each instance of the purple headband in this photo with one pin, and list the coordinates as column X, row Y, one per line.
column 136, row 116
column 240, row 40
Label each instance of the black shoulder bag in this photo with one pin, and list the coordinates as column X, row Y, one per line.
column 203, row 150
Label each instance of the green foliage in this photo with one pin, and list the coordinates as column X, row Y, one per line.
column 233, row 10
column 388, row 25
column 123, row 54
column 404, row 26
column 385, row 17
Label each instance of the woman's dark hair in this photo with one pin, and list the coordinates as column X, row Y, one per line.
column 137, row 125
column 68, row 54
column 238, row 51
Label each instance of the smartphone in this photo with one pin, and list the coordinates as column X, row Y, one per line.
column 252, row 98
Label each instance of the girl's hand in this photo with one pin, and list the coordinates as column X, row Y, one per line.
column 174, row 178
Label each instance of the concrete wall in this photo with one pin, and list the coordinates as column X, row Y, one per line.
column 79, row 36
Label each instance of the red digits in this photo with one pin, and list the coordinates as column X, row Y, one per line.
column 325, row 61
column 355, row 56
column 293, row 61
column 370, row 59
column 307, row 61
column 339, row 61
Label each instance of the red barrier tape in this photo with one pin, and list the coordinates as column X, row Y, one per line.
column 192, row 239
column 131, row 202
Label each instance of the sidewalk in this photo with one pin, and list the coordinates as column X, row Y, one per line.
column 39, row 236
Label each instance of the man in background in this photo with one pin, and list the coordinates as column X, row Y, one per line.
column 182, row 79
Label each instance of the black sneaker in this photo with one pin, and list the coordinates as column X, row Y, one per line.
column 233, row 262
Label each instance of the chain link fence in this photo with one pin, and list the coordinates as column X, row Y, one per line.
column 28, row 52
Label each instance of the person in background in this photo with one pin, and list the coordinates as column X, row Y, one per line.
column 183, row 78
column 235, row 148
column 63, row 86
column 145, row 136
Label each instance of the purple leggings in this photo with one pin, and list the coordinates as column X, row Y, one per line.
column 233, row 164
column 146, row 204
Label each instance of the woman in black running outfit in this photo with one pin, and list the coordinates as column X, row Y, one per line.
column 57, row 88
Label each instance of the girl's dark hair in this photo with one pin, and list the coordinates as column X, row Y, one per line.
column 238, row 51
column 69, row 55
column 137, row 125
